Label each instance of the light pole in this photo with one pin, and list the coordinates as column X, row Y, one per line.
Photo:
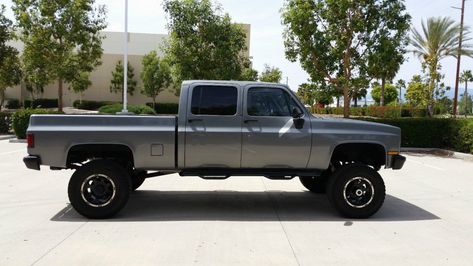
column 125, row 62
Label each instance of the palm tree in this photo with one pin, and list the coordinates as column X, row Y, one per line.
column 438, row 39
column 466, row 77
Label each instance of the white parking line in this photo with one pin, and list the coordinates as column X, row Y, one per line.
column 426, row 165
column 10, row 152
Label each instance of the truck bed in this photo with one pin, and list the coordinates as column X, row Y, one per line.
column 151, row 139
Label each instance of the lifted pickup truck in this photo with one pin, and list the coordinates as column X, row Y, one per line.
column 223, row 129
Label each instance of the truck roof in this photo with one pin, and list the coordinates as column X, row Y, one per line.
column 241, row 83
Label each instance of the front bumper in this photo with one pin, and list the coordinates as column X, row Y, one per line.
column 32, row 162
column 397, row 162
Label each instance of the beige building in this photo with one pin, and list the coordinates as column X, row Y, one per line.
column 139, row 44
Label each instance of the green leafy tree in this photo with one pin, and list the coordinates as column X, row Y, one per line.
column 465, row 105
column 418, row 92
column 156, row 75
column 444, row 105
column 116, row 84
column 334, row 40
column 312, row 93
column 466, row 77
column 271, row 74
column 64, row 34
column 306, row 94
column 359, row 90
column 391, row 47
column 390, row 93
column 10, row 72
column 358, row 95
column 249, row 74
column 203, row 42
column 80, row 83
column 437, row 40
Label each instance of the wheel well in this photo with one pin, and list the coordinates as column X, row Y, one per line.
column 81, row 153
column 365, row 153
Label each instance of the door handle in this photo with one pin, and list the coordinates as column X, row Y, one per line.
column 250, row 120
column 194, row 120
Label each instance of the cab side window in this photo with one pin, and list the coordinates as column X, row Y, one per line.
column 214, row 100
column 269, row 102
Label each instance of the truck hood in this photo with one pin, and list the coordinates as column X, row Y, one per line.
column 354, row 125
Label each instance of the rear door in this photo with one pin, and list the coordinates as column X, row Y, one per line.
column 269, row 136
column 213, row 127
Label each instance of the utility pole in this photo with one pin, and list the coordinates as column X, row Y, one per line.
column 125, row 63
column 457, row 78
column 400, row 101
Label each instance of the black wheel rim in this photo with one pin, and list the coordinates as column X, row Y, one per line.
column 98, row 190
column 358, row 192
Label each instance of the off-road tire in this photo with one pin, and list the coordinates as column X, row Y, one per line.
column 99, row 189
column 356, row 191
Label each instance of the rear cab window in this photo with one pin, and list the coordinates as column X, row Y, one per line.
column 214, row 100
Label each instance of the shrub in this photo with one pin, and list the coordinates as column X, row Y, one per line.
column 41, row 103
column 21, row 120
column 13, row 104
column 137, row 109
column 5, row 122
column 90, row 105
column 464, row 141
column 357, row 111
column 374, row 111
column 165, row 108
column 444, row 133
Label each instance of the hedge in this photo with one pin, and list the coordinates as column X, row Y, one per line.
column 165, row 108
column 5, row 122
column 90, row 105
column 21, row 120
column 13, row 104
column 444, row 133
column 136, row 109
column 374, row 111
column 41, row 103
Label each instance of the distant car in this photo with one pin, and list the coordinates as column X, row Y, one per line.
column 223, row 129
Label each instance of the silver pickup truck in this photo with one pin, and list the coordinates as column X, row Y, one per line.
column 224, row 128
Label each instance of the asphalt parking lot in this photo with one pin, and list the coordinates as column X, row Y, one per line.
column 427, row 219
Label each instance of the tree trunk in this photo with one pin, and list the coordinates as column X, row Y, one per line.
column 338, row 101
column 465, row 95
column 2, row 98
column 430, row 106
column 383, row 86
column 346, row 102
column 356, row 101
column 59, row 96
column 154, row 103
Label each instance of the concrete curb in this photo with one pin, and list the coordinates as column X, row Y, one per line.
column 4, row 137
column 441, row 152
column 15, row 140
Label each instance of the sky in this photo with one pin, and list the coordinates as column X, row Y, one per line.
column 266, row 46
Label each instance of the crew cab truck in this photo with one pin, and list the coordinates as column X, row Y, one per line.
column 223, row 129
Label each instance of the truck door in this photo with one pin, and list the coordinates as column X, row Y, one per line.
column 269, row 136
column 213, row 127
